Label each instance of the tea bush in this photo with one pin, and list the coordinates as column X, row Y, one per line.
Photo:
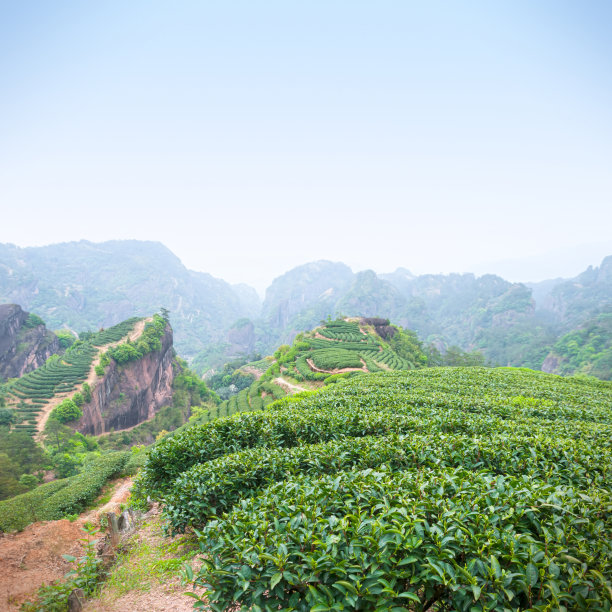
column 449, row 488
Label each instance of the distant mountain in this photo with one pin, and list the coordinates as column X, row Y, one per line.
column 574, row 301
column 85, row 286
column 82, row 285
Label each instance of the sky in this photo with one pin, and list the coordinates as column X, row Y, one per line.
column 251, row 137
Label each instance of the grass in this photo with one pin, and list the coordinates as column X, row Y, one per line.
column 147, row 560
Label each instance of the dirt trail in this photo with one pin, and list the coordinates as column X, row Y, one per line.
column 91, row 379
column 338, row 370
column 151, row 592
column 254, row 371
column 290, row 387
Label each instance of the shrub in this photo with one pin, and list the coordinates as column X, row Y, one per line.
column 67, row 411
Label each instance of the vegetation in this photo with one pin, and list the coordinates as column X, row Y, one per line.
column 63, row 497
column 149, row 340
column 587, row 350
column 67, row 411
column 454, row 488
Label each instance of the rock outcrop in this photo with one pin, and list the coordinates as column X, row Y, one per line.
column 132, row 393
column 25, row 342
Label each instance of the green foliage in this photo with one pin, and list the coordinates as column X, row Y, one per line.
column 86, row 393
column 332, row 359
column 461, row 539
column 67, row 411
column 113, row 334
column 463, row 488
column 59, row 498
column 65, row 337
column 7, row 417
column 32, row 321
column 587, row 350
column 19, row 455
column 58, row 375
column 149, row 340
column 454, row 356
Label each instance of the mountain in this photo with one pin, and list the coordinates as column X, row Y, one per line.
column 82, row 285
column 85, row 286
column 25, row 342
column 574, row 301
column 300, row 298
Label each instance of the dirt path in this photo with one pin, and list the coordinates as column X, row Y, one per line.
column 120, row 494
column 137, row 584
column 289, row 387
column 92, row 378
column 338, row 370
column 254, row 371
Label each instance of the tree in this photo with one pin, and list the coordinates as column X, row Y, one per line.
column 21, row 449
column 57, row 434
column 7, row 416
column 67, row 411
column 9, row 473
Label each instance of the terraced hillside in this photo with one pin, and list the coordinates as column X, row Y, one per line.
column 339, row 349
column 435, row 489
column 34, row 394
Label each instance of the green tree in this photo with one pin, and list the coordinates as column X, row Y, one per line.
column 86, row 393
column 7, row 416
column 9, row 474
column 67, row 411
column 57, row 435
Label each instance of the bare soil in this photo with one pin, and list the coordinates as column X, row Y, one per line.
column 287, row 386
column 337, row 370
column 153, row 594
column 254, row 371
column 34, row 556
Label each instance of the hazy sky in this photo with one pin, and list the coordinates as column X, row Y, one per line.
column 250, row 137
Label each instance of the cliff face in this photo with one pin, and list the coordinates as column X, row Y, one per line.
column 130, row 394
column 25, row 343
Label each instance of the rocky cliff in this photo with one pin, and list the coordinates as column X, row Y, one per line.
column 25, row 342
column 132, row 393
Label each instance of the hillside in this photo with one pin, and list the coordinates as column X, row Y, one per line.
column 331, row 352
column 85, row 286
column 450, row 488
column 82, row 382
column 108, row 392
column 498, row 318
column 25, row 342
column 585, row 350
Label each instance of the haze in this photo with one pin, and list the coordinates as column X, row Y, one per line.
column 253, row 137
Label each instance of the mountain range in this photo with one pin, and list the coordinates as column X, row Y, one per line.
column 85, row 286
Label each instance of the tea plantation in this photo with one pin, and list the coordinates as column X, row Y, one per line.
column 434, row 489
column 60, row 374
